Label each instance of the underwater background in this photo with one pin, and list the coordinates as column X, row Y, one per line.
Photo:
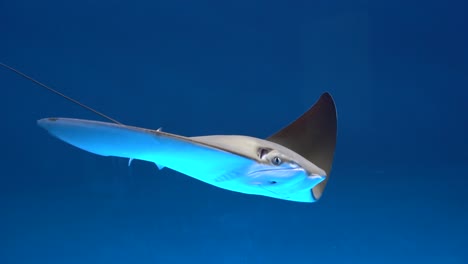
column 398, row 71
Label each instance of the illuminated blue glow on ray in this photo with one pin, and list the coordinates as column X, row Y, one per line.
column 217, row 166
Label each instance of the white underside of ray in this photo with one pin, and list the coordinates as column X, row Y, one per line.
column 178, row 153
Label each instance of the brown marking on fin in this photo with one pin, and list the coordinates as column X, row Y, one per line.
column 313, row 136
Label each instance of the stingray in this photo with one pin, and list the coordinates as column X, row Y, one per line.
column 292, row 164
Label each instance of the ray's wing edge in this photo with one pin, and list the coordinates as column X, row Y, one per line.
column 313, row 136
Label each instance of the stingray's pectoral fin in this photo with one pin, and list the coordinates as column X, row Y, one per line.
column 106, row 139
column 313, row 136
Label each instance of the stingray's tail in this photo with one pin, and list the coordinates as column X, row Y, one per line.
column 313, row 136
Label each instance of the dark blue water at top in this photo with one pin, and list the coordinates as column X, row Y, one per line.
column 396, row 69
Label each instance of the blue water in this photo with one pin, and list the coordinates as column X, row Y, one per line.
column 398, row 74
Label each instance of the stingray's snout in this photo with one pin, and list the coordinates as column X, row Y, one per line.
column 314, row 171
column 316, row 177
column 312, row 180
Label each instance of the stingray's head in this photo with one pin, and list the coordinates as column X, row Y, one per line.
column 282, row 173
column 264, row 167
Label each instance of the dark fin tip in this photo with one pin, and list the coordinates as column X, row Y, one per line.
column 313, row 136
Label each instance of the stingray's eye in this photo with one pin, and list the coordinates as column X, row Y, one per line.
column 276, row 161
